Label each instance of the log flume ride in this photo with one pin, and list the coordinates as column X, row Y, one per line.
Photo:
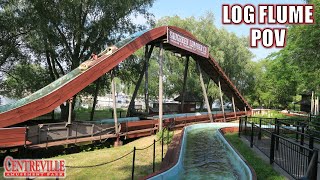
column 51, row 96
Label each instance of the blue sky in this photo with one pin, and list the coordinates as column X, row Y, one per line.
column 197, row 8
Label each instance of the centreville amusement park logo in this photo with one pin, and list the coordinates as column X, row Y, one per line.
column 28, row 168
column 271, row 14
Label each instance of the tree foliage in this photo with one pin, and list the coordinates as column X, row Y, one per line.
column 59, row 35
column 230, row 51
column 25, row 78
column 294, row 69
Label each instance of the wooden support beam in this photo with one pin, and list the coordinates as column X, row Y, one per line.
column 147, row 55
column 204, row 93
column 185, row 74
column 160, row 86
column 221, row 101
column 234, row 107
column 113, row 89
column 146, row 80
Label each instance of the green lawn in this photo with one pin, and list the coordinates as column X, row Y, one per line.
column 120, row 169
column 263, row 170
column 277, row 114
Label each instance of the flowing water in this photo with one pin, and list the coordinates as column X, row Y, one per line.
column 206, row 157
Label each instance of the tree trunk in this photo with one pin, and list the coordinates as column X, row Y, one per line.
column 210, row 98
column 95, row 99
column 135, row 93
column 64, row 112
column 73, row 113
column 52, row 115
column 201, row 106
column 96, row 92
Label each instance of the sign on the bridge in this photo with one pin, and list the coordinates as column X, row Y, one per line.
column 186, row 43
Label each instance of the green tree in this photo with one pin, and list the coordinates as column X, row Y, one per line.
column 292, row 70
column 302, row 50
column 230, row 51
column 62, row 34
column 24, row 79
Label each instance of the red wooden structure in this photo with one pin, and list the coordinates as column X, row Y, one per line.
column 10, row 137
column 104, row 64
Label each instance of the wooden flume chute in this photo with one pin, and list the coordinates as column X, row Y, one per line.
column 48, row 98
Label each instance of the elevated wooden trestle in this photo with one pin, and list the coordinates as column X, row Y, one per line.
column 155, row 37
column 166, row 38
column 128, row 130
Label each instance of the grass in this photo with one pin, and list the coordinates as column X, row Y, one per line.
column 120, row 169
column 263, row 170
column 277, row 114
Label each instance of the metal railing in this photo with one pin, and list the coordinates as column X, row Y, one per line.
column 294, row 158
column 312, row 170
column 290, row 156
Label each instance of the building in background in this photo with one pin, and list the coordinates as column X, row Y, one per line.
column 305, row 103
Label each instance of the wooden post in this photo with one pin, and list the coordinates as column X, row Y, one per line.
column 70, row 110
column 68, row 125
column 92, row 130
column 316, row 107
column 113, row 89
column 317, row 102
column 160, row 86
column 312, row 104
column 234, row 107
column 221, row 100
column 204, row 93
column 184, row 83
column 147, row 55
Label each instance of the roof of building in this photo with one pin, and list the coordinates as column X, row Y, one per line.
column 189, row 97
column 305, row 102
column 306, row 93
